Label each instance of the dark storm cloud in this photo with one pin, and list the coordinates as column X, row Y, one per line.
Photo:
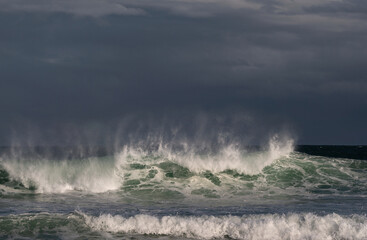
column 297, row 62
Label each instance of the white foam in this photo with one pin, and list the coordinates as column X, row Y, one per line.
column 269, row 226
column 91, row 175
column 228, row 157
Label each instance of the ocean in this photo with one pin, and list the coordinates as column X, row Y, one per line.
column 279, row 191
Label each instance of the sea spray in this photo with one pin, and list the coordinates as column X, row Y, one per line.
column 100, row 174
column 223, row 158
column 57, row 176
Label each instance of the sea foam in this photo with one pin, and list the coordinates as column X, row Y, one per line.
column 266, row 226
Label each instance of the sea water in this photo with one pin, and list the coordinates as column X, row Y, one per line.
column 163, row 192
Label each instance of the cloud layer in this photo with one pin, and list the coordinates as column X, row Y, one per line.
column 297, row 62
column 93, row 8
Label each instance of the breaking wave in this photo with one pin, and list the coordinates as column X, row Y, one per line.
column 228, row 157
column 295, row 226
column 164, row 173
column 103, row 174
column 266, row 226
column 47, row 176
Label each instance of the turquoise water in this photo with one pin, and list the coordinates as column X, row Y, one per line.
column 271, row 193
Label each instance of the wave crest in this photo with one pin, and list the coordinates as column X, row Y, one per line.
column 225, row 158
column 267, row 226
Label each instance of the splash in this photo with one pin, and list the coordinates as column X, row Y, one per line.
column 227, row 157
column 45, row 175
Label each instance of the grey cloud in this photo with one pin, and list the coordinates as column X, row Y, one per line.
column 354, row 7
column 94, row 8
column 192, row 8
column 280, row 61
column 211, row 8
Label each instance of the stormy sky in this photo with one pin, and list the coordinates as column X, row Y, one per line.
column 265, row 64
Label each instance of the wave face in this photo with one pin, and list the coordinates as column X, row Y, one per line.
column 263, row 226
column 163, row 173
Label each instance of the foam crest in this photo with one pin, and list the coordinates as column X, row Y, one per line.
column 268, row 226
column 46, row 176
column 227, row 157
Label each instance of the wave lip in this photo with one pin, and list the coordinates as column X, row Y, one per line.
column 266, row 226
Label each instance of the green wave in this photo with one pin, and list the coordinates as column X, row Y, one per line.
column 155, row 177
